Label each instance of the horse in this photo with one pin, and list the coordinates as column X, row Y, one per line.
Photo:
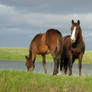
column 44, row 43
column 73, row 48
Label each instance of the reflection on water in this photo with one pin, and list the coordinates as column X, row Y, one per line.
column 20, row 65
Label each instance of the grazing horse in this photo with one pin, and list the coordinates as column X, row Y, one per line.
column 73, row 48
column 49, row 42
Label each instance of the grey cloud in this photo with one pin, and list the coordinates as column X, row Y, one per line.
column 23, row 26
column 50, row 6
column 12, row 19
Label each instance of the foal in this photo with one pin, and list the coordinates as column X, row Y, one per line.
column 73, row 48
column 42, row 44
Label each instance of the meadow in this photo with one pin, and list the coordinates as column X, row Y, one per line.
column 21, row 81
column 18, row 54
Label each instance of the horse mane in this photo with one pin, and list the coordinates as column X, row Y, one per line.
column 65, row 37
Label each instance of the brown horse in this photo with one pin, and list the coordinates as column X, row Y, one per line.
column 42, row 44
column 73, row 48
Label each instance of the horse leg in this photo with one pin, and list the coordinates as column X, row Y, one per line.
column 65, row 70
column 34, row 63
column 58, row 63
column 55, row 67
column 80, row 63
column 44, row 63
column 65, row 66
column 33, row 60
column 57, row 60
column 70, row 65
column 61, row 64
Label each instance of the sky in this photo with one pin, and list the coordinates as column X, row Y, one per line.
column 21, row 20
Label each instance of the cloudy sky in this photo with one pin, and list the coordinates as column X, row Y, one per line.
column 21, row 20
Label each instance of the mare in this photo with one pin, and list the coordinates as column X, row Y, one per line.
column 73, row 48
column 49, row 42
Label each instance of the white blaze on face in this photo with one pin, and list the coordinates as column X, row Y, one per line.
column 73, row 35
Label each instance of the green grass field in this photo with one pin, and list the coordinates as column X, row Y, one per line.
column 18, row 54
column 21, row 81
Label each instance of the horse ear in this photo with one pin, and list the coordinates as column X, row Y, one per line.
column 26, row 57
column 78, row 22
column 72, row 21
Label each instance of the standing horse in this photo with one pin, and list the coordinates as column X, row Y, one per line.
column 73, row 48
column 42, row 44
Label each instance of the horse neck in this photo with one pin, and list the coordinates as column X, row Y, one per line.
column 79, row 37
column 30, row 53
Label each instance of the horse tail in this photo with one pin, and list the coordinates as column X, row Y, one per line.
column 59, row 42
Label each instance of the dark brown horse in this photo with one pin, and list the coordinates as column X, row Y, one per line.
column 73, row 48
column 42, row 44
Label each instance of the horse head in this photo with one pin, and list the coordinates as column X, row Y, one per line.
column 29, row 64
column 75, row 30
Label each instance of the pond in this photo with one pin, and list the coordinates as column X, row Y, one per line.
column 20, row 65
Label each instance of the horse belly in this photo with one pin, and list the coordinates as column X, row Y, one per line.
column 43, row 49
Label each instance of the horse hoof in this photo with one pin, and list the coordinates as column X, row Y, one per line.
column 54, row 73
column 70, row 74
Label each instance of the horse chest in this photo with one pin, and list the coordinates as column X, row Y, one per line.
column 74, row 45
column 76, row 53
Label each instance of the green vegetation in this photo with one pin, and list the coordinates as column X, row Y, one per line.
column 13, row 53
column 87, row 58
column 21, row 81
column 18, row 54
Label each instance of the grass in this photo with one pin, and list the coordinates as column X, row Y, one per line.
column 18, row 54
column 21, row 81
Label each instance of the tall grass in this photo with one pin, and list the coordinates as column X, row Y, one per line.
column 21, row 81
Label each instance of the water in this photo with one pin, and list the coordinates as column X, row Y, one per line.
column 20, row 65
